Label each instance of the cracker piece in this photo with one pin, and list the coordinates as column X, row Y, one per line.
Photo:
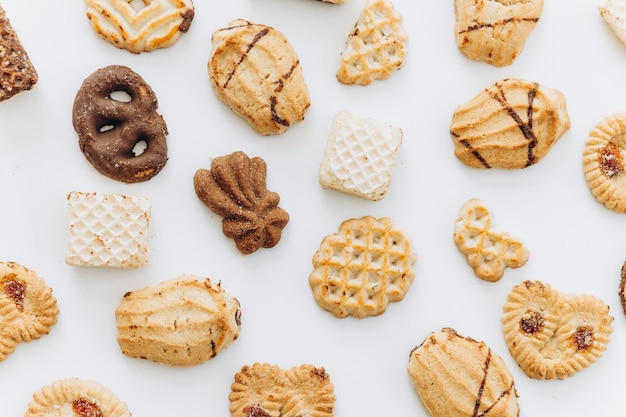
column 613, row 13
column 488, row 251
column 76, row 397
column 360, row 156
column 376, row 47
column 107, row 230
column 552, row 335
column 361, row 268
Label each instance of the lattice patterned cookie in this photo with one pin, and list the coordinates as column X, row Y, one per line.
column 488, row 250
column 361, row 268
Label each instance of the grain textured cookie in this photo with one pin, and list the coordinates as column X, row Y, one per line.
column 511, row 124
column 268, row 390
column 180, row 322
column 360, row 156
column 235, row 188
column 457, row 376
column 552, row 335
column 376, row 47
column 140, row 25
column 28, row 310
column 613, row 13
column 108, row 230
column 603, row 162
column 488, row 250
column 76, row 397
column 358, row 270
column 495, row 31
column 254, row 70
column 17, row 72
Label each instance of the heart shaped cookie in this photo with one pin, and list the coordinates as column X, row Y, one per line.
column 553, row 335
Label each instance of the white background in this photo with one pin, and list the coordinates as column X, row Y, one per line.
column 576, row 244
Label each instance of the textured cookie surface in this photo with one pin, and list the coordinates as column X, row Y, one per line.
column 254, row 70
column 603, row 162
column 376, row 47
column 264, row 390
column 108, row 230
column 552, row 335
column 17, row 72
column 180, row 322
column 360, row 156
column 488, row 250
column 140, row 25
column 457, row 376
column 28, row 309
column 358, row 270
column 614, row 14
column 76, row 397
column 511, row 124
column 495, row 31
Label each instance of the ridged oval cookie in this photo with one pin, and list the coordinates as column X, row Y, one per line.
column 511, row 124
column 180, row 322
column 457, row 376
column 254, row 70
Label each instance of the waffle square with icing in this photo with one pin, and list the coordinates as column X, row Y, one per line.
column 108, row 230
column 360, row 156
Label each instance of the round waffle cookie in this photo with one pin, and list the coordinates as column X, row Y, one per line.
column 603, row 162
column 361, row 268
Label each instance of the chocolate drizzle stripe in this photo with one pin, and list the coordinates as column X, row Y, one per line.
column 476, row 154
column 257, row 37
column 503, row 22
column 479, row 394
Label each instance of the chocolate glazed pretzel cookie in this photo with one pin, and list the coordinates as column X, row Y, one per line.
column 111, row 130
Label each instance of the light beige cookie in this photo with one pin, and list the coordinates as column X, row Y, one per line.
column 552, row 335
column 495, row 31
column 76, row 397
column 28, row 310
column 457, row 376
column 511, row 124
column 603, row 162
column 488, row 250
column 360, row 156
column 362, row 267
column 140, row 25
column 254, row 70
column 376, row 47
column 613, row 13
column 179, row 322
column 108, row 230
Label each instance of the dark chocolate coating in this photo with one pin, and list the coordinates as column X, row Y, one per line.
column 109, row 129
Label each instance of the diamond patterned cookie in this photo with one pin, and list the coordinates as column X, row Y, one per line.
column 360, row 156
column 107, row 230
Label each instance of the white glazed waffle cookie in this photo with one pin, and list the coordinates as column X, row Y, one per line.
column 614, row 14
column 488, row 250
column 107, row 230
column 360, row 156
column 376, row 46
column 361, row 268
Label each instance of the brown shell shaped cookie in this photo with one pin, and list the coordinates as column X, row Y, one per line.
column 123, row 137
column 255, row 71
column 235, row 188
column 512, row 124
column 495, row 31
column 603, row 162
column 553, row 335
column 28, row 309
column 76, row 397
column 457, row 376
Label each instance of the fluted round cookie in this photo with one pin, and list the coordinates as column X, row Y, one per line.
column 254, row 70
column 457, row 376
column 180, row 322
column 76, row 397
column 603, row 162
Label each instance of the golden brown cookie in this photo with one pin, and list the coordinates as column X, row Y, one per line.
column 511, row 124
column 622, row 288
column 457, row 376
column 553, row 335
column 180, row 322
column 28, row 309
column 76, row 397
column 254, row 70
